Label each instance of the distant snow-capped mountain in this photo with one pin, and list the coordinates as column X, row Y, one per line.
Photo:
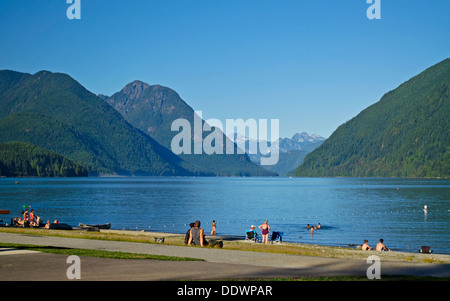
column 299, row 141
column 292, row 151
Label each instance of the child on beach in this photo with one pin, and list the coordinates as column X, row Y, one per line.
column 381, row 246
column 365, row 246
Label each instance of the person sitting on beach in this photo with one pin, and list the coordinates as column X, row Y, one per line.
column 196, row 235
column 18, row 222
column 188, row 233
column 252, row 229
column 251, row 234
column 381, row 246
column 47, row 225
column 365, row 246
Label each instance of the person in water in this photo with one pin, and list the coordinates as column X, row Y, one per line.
column 265, row 229
column 196, row 235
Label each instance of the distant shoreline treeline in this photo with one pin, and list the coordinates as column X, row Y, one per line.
column 20, row 159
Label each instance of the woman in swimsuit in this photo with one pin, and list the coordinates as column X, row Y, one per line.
column 265, row 228
column 213, row 231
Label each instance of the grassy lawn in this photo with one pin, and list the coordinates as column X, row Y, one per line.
column 93, row 253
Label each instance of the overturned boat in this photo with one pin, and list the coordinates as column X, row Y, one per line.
column 102, row 226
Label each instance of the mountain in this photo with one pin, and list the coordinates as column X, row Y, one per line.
column 292, row 151
column 299, row 141
column 20, row 159
column 153, row 108
column 405, row 134
column 55, row 112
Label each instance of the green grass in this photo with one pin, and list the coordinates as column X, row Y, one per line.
column 350, row 278
column 94, row 253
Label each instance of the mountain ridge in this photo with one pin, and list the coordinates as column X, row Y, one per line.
column 405, row 134
column 80, row 126
column 153, row 108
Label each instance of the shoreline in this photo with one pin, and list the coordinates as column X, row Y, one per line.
column 405, row 250
column 237, row 243
column 344, row 252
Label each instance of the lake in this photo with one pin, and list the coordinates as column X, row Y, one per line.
column 350, row 209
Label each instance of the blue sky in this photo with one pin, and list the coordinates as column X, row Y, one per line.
column 311, row 64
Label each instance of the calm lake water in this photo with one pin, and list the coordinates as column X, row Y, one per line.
column 350, row 209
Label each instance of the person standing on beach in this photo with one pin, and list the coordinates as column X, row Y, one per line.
column 265, row 228
column 213, row 231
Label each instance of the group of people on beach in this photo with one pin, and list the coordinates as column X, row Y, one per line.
column 29, row 219
column 265, row 229
column 196, row 236
column 379, row 247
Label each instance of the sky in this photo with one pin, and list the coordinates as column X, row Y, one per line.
column 313, row 65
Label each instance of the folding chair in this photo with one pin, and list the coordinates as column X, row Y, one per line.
column 251, row 236
column 425, row 250
column 277, row 237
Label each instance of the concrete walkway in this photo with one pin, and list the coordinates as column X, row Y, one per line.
column 217, row 264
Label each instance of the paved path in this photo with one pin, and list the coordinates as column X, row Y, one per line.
column 217, row 264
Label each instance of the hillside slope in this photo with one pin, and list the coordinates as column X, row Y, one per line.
column 405, row 134
column 20, row 159
column 55, row 112
column 153, row 108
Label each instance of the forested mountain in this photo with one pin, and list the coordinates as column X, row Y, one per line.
column 20, row 159
column 153, row 108
column 55, row 112
column 405, row 134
